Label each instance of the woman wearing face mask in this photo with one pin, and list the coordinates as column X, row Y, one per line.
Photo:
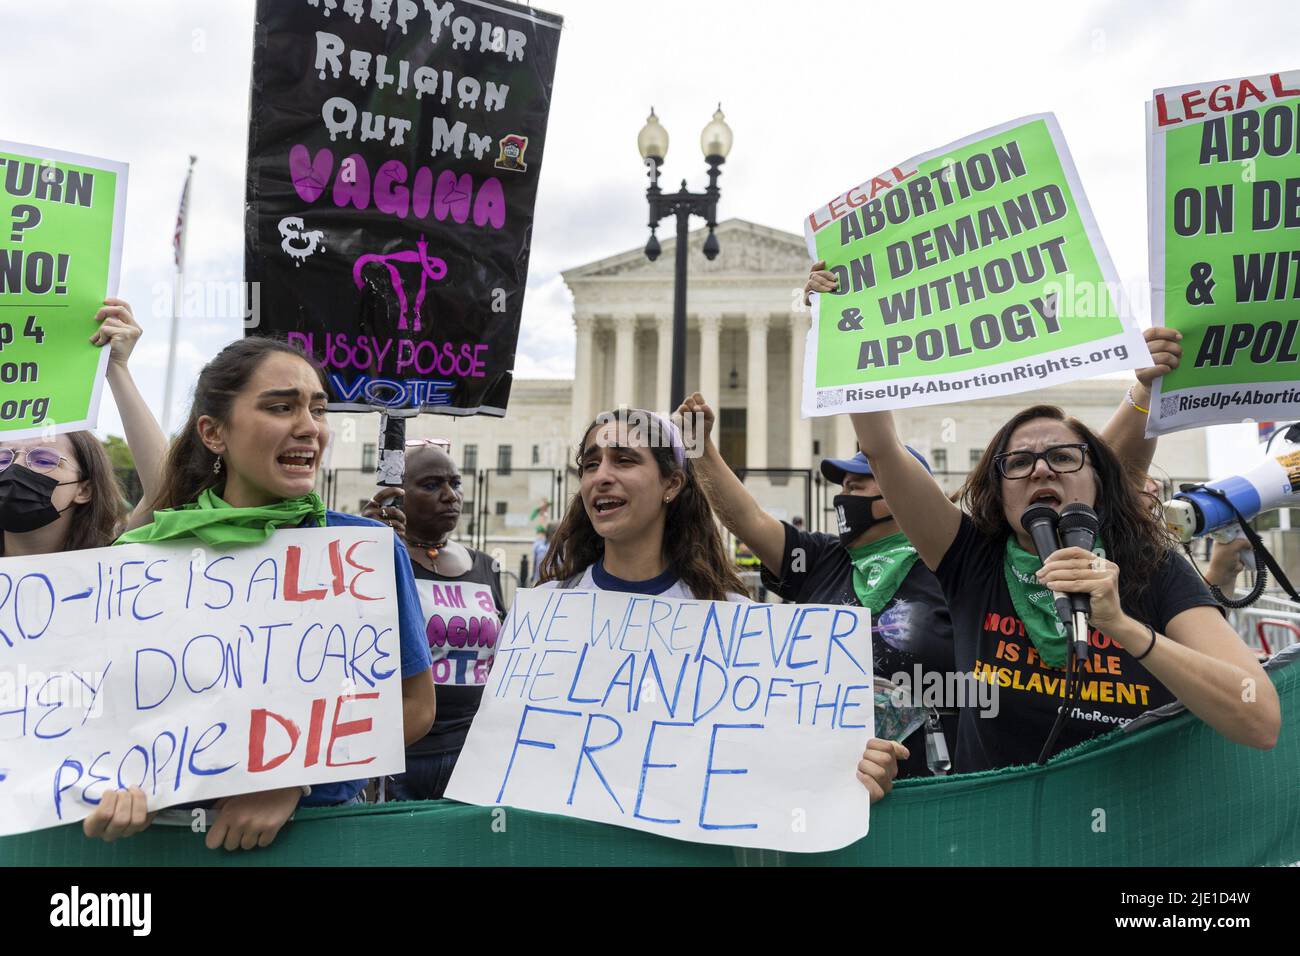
column 1156, row 632
column 869, row 564
column 245, row 464
column 60, row 493
column 643, row 523
column 461, row 601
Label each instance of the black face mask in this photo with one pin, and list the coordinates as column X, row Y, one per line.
column 25, row 503
column 853, row 513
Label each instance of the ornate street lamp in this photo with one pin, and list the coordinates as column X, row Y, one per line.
column 715, row 142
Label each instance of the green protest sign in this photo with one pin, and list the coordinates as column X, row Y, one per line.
column 972, row 270
column 61, row 220
column 1224, row 221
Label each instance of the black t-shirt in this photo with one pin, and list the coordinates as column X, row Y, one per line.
column 912, row 629
column 991, row 644
column 462, row 618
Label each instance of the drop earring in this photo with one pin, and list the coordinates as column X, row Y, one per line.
column 216, row 466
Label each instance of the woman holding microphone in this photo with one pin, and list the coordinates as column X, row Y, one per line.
column 1157, row 633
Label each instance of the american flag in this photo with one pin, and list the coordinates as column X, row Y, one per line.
column 178, row 240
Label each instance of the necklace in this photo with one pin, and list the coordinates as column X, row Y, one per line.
column 431, row 551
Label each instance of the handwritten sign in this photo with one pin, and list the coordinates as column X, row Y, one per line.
column 394, row 153
column 194, row 674
column 737, row 724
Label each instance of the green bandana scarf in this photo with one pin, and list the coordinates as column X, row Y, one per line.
column 223, row 526
column 1034, row 603
column 879, row 568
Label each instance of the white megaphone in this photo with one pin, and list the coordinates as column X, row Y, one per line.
column 1274, row 483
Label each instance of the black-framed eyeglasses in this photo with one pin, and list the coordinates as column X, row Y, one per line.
column 1061, row 459
column 37, row 459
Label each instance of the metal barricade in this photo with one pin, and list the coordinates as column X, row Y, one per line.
column 1268, row 625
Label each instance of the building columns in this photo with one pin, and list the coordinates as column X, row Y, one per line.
column 846, row 439
column 756, row 396
column 800, row 428
column 664, row 368
column 583, row 373
column 624, row 364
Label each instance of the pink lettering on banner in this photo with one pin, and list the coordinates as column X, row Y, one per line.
column 371, row 354
column 428, row 357
column 431, row 267
column 450, row 196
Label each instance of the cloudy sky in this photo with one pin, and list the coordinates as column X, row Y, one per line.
column 820, row 96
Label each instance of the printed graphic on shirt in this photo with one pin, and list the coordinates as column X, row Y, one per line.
column 461, row 625
column 1110, row 676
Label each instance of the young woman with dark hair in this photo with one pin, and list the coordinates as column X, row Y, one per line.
column 643, row 522
column 1157, row 633
column 245, row 464
column 60, row 493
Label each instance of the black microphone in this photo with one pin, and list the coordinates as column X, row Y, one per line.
column 1040, row 522
column 1078, row 529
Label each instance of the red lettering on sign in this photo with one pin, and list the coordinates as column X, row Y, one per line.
column 292, row 561
column 257, row 762
column 348, row 728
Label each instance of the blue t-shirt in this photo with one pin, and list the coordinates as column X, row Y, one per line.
column 414, row 646
column 667, row 584
column 609, row 582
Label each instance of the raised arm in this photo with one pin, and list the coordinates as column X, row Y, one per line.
column 1126, row 430
column 119, row 330
column 922, row 510
column 920, row 507
column 740, row 513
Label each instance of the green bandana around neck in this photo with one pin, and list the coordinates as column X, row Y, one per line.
column 1034, row 603
column 879, row 568
column 221, row 526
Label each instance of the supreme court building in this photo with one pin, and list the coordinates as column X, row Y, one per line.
column 745, row 326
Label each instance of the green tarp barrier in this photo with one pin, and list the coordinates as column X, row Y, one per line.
column 1172, row 794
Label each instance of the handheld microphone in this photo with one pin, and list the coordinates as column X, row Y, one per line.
column 1040, row 522
column 1078, row 528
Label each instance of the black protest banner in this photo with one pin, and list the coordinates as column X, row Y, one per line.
column 394, row 151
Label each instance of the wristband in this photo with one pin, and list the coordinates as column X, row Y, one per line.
column 1128, row 397
column 1152, row 631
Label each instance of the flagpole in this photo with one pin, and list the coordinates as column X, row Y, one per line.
column 178, row 291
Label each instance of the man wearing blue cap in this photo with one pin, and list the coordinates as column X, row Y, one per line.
column 870, row 564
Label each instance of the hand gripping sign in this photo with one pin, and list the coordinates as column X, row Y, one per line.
column 737, row 724
column 60, row 251
column 193, row 674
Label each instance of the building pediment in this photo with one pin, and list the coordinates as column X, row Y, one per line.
column 747, row 249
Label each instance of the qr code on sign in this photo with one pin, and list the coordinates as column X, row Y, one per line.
column 1168, row 406
column 830, row 396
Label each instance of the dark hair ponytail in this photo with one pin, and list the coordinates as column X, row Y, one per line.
column 188, row 471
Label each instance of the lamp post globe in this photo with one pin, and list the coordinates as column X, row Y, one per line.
column 652, row 141
column 715, row 139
